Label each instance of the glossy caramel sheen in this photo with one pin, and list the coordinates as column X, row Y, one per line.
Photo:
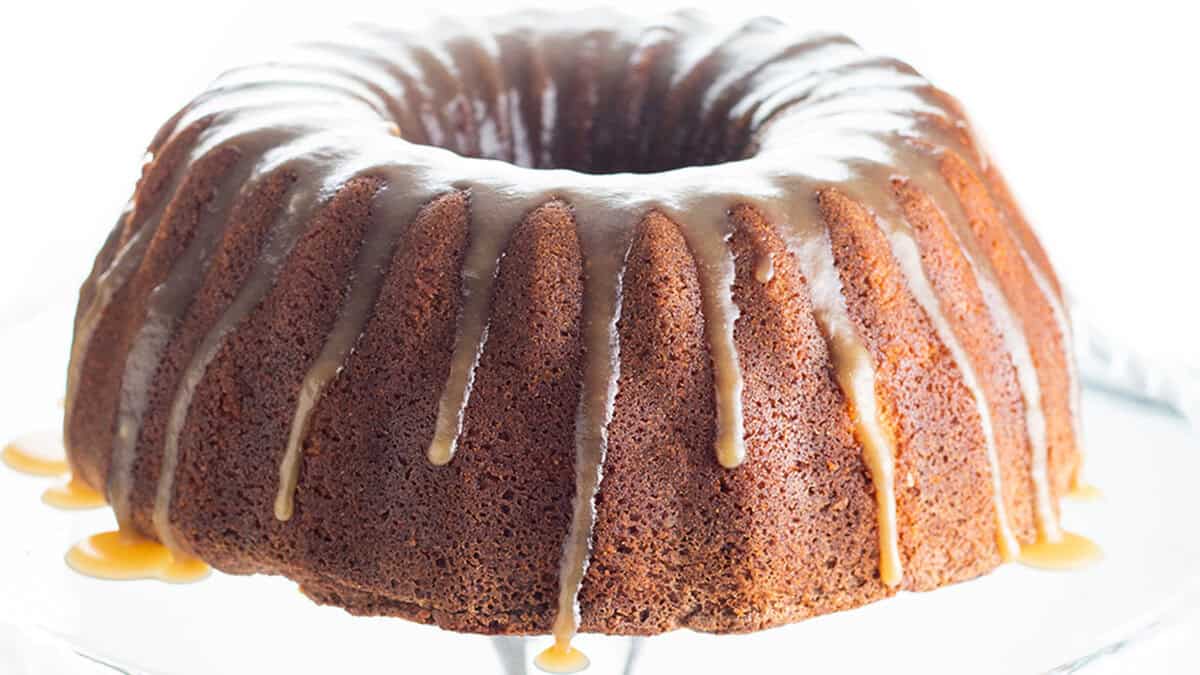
column 38, row 454
column 1085, row 492
column 1071, row 551
column 73, row 495
column 561, row 657
column 125, row 556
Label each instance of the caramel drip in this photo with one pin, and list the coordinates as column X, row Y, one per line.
column 906, row 252
column 37, row 454
column 1052, row 540
column 41, row 454
column 105, row 285
column 561, row 657
column 298, row 148
column 284, row 236
column 479, row 274
column 708, row 242
column 122, row 555
column 855, row 373
column 1063, row 323
column 1085, row 492
column 1013, row 336
column 73, row 495
column 908, row 256
column 366, row 282
column 105, row 257
column 1035, row 416
column 1070, row 551
column 605, row 246
column 164, row 308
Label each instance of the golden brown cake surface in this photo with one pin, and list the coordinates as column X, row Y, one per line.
column 577, row 322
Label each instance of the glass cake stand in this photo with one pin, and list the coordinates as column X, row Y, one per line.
column 1144, row 457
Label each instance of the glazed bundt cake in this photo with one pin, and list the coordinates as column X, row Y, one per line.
column 577, row 322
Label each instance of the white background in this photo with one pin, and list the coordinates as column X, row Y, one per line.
column 1091, row 110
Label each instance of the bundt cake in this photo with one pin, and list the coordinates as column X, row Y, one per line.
column 577, row 322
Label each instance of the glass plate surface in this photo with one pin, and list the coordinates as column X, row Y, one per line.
column 52, row 620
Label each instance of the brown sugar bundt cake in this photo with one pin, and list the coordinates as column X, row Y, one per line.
column 577, row 322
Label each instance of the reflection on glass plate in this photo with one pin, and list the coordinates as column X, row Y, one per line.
column 1014, row 620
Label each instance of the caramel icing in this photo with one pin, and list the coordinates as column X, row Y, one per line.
column 1085, row 492
column 856, row 375
column 707, row 236
column 37, row 454
column 122, row 555
column 73, row 495
column 41, row 454
column 602, row 307
column 286, row 233
column 102, row 285
column 1035, row 416
column 904, row 249
column 1013, row 336
column 164, row 309
column 367, row 280
column 561, row 657
column 1070, row 551
column 783, row 118
column 1067, row 340
column 479, row 272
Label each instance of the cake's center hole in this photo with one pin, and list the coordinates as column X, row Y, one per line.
column 593, row 118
